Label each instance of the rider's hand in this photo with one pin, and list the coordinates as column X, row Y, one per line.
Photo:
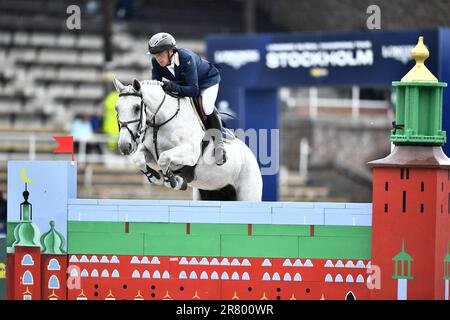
column 168, row 86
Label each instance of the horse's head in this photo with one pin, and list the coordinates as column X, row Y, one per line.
column 137, row 104
column 131, row 115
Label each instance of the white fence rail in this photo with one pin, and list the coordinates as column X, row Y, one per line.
column 34, row 140
column 313, row 102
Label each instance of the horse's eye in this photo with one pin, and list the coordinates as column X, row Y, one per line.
column 137, row 109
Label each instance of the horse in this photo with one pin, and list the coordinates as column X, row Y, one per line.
column 164, row 136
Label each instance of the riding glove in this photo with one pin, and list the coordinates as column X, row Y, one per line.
column 168, row 86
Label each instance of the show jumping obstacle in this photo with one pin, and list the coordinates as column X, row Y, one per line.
column 395, row 248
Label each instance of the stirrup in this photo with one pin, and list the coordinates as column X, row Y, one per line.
column 224, row 158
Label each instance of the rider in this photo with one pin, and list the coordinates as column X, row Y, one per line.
column 187, row 74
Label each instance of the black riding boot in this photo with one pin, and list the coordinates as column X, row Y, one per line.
column 213, row 122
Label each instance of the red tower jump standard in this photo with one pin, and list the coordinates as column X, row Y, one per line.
column 411, row 193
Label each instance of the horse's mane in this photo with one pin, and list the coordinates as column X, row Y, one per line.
column 129, row 88
column 150, row 82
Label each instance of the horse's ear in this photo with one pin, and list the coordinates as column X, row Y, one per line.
column 118, row 85
column 136, row 85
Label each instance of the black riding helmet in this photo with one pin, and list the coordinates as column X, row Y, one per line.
column 160, row 42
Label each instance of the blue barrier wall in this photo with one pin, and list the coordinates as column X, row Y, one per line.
column 177, row 211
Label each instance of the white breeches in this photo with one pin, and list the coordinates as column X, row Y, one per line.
column 209, row 96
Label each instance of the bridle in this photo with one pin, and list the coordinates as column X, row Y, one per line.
column 139, row 136
column 124, row 124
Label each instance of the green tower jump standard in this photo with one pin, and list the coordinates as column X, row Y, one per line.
column 418, row 118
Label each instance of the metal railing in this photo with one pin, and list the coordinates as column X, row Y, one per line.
column 313, row 102
column 36, row 139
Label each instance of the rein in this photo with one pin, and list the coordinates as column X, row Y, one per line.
column 141, row 130
column 156, row 127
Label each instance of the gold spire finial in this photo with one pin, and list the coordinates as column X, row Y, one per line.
column 420, row 73
column 420, row 52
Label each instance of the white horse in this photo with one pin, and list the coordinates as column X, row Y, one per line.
column 165, row 137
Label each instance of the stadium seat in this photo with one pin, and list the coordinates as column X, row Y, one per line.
column 43, row 40
column 5, row 38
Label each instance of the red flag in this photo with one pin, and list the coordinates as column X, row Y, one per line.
column 65, row 145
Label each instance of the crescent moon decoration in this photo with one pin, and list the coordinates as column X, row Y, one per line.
column 23, row 176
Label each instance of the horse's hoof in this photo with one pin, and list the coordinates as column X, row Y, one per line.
column 170, row 180
column 151, row 174
column 183, row 186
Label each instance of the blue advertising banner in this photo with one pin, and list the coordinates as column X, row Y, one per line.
column 310, row 59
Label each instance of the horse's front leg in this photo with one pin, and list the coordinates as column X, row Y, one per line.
column 145, row 161
column 183, row 155
column 174, row 181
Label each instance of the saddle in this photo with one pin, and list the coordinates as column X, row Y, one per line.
column 187, row 172
column 197, row 103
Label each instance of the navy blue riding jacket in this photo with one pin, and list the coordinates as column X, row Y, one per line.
column 191, row 75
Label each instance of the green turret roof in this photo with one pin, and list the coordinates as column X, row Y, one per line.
column 403, row 255
column 52, row 241
column 26, row 233
column 402, row 258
